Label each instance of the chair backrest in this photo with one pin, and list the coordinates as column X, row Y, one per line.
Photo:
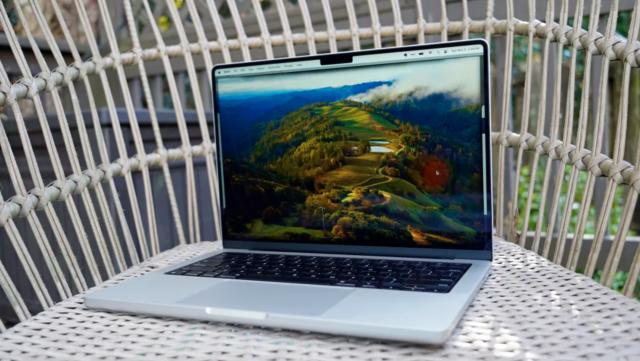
column 96, row 175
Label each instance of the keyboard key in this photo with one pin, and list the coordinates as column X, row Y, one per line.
column 193, row 273
column 229, row 276
column 345, row 284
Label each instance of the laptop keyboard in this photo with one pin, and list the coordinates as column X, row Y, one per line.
column 421, row 276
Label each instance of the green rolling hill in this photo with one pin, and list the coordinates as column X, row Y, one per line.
column 340, row 146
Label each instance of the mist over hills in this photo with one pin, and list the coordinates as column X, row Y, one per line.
column 247, row 111
column 381, row 162
column 440, row 112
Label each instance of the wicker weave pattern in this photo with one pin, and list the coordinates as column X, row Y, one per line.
column 121, row 228
column 529, row 309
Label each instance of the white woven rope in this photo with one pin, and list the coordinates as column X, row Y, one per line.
column 529, row 309
column 397, row 21
column 33, row 275
column 137, row 137
column 286, row 29
column 262, row 23
column 222, row 43
column 237, row 22
column 466, row 20
column 331, row 29
column 618, row 154
column 102, row 148
column 20, row 206
column 524, row 125
column 30, row 155
column 117, row 129
column 421, row 24
column 13, row 296
column 617, row 51
column 556, row 98
column 182, row 129
column 375, row 25
column 198, row 96
column 45, row 247
column 154, row 123
column 72, row 156
column 540, row 121
column 551, row 139
column 353, row 23
column 506, row 102
column 567, row 132
column 598, row 132
column 43, row 243
column 489, row 27
column 580, row 141
column 444, row 22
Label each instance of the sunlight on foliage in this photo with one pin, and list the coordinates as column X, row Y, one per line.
column 619, row 280
column 164, row 23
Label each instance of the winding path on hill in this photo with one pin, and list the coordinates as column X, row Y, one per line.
column 379, row 172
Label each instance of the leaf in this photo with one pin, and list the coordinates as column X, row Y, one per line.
column 164, row 23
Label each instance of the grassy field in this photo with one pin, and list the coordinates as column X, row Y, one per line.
column 259, row 229
column 375, row 181
column 369, row 160
column 360, row 169
column 419, row 214
column 402, row 199
column 360, row 123
column 357, row 170
column 407, row 190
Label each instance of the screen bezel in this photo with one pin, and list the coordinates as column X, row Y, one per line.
column 481, row 254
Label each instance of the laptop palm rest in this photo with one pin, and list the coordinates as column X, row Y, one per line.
column 256, row 299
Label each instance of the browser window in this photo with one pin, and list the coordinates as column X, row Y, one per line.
column 383, row 150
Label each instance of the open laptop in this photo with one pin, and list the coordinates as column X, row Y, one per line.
column 355, row 195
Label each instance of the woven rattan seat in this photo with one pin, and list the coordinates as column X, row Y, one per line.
column 529, row 309
column 107, row 168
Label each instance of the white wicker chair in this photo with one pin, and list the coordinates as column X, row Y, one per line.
column 110, row 194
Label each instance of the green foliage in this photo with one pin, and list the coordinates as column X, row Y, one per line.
column 357, row 226
column 344, row 190
column 619, row 280
column 580, row 190
column 614, row 218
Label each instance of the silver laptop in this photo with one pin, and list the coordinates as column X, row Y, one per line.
column 355, row 195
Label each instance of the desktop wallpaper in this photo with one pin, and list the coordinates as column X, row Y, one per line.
column 385, row 156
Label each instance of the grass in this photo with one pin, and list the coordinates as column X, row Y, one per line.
column 348, row 175
column 374, row 181
column 357, row 170
column 401, row 205
column 371, row 160
column 383, row 121
column 416, row 214
column 405, row 199
column 407, row 190
column 366, row 126
column 260, row 229
column 360, row 123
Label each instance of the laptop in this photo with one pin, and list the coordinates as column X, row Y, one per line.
column 355, row 197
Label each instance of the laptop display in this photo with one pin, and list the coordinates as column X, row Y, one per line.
column 384, row 149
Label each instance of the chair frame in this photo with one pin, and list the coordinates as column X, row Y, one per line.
column 556, row 138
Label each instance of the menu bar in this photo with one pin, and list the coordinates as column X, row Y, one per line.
column 359, row 60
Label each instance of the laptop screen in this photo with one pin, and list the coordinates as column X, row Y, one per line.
column 383, row 149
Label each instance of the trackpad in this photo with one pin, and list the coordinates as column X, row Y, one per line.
column 268, row 297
